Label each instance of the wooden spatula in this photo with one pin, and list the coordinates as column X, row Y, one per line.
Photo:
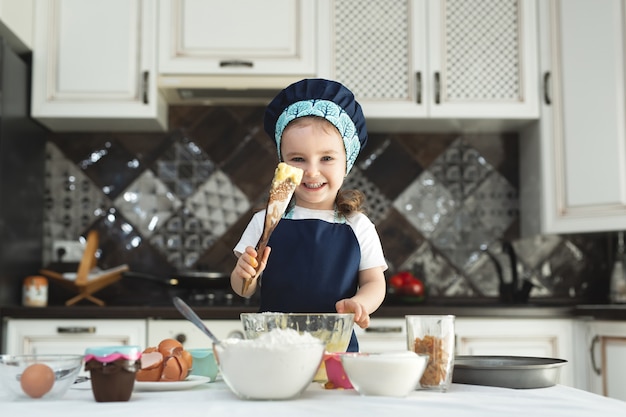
column 286, row 179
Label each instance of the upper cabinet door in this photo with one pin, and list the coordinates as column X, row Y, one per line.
column 482, row 58
column 208, row 37
column 378, row 50
column 574, row 165
column 436, row 59
column 94, row 66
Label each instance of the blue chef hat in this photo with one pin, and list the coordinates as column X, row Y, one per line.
column 324, row 98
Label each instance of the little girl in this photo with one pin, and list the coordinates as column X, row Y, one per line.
column 326, row 255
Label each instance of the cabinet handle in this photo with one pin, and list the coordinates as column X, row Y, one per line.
column 418, row 87
column 546, row 88
column 437, row 88
column 76, row 330
column 236, row 63
column 236, row 334
column 595, row 368
column 144, row 86
column 384, row 329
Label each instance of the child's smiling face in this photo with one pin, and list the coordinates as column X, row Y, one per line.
column 315, row 145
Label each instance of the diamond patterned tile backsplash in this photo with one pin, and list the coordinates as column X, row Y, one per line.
column 178, row 201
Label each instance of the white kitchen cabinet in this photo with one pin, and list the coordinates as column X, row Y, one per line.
column 94, row 66
column 383, row 335
column 239, row 37
column 548, row 338
column 16, row 24
column 70, row 336
column 605, row 361
column 234, row 45
column 189, row 335
column 411, row 61
column 573, row 161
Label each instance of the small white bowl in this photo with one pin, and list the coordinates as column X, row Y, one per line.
column 390, row 374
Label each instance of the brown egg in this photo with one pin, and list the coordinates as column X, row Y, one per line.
column 188, row 358
column 174, row 368
column 37, row 380
column 151, row 366
column 149, row 375
column 168, row 346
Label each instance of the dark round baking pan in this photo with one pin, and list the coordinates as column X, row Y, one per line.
column 507, row 371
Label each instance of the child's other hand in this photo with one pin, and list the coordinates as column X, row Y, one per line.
column 348, row 305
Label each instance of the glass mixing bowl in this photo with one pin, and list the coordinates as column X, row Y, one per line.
column 333, row 329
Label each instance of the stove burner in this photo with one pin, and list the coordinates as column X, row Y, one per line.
column 217, row 298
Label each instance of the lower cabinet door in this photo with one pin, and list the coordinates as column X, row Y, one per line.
column 607, row 358
column 547, row 338
column 383, row 335
column 54, row 336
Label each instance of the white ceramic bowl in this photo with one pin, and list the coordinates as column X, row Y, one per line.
column 45, row 377
column 390, row 374
column 278, row 365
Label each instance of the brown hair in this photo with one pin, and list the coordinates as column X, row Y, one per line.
column 349, row 202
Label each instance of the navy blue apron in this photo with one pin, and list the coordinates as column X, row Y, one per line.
column 313, row 264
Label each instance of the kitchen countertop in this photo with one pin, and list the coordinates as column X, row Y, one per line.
column 602, row 311
column 605, row 312
column 216, row 399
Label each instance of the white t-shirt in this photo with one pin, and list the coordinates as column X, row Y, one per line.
column 364, row 230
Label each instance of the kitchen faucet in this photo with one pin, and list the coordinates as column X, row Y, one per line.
column 510, row 292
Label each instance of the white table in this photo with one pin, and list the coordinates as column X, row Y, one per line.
column 215, row 399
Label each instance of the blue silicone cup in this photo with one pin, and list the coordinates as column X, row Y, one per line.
column 204, row 363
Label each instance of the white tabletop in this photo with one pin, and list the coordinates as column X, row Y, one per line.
column 215, row 399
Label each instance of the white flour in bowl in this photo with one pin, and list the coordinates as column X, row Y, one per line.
column 277, row 365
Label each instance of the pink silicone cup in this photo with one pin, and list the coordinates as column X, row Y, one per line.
column 334, row 370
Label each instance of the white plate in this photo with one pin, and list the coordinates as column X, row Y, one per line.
column 191, row 381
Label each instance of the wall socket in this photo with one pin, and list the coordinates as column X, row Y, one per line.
column 67, row 250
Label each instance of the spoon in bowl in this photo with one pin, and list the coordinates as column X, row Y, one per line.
column 191, row 315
